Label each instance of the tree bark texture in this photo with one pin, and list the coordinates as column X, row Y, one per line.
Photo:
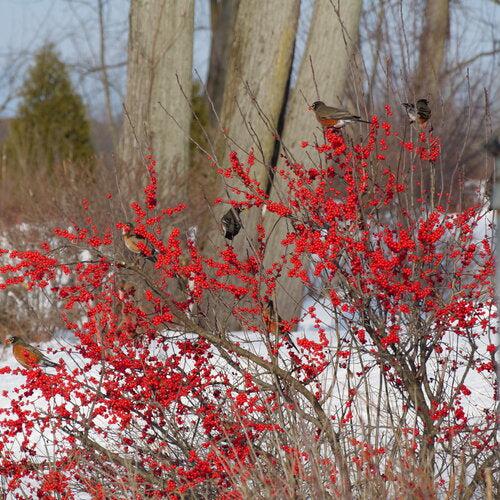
column 330, row 46
column 254, row 91
column 223, row 16
column 160, row 52
column 255, row 87
column 432, row 52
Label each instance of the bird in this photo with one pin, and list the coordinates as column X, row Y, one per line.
column 231, row 223
column 27, row 355
column 273, row 323
column 328, row 116
column 136, row 243
column 419, row 112
column 125, row 289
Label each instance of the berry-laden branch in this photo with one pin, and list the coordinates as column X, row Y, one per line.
column 381, row 380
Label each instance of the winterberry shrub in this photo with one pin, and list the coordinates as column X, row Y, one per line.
column 382, row 385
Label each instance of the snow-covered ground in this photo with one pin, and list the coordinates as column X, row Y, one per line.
column 338, row 381
column 481, row 396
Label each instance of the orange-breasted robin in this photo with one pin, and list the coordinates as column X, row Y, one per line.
column 419, row 112
column 136, row 242
column 328, row 116
column 231, row 223
column 273, row 323
column 28, row 355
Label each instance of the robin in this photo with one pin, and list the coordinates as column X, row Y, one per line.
column 329, row 116
column 419, row 112
column 273, row 321
column 136, row 243
column 125, row 290
column 27, row 355
column 231, row 223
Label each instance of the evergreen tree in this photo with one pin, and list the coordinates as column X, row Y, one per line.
column 51, row 125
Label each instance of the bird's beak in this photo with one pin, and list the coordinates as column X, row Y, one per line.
column 310, row 108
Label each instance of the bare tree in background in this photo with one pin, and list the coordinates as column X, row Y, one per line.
column 160, row 52
column 330, row 47
column 106, row 86
column 222, row 19
column 258, row 72
column 98, row 41
column 432, row 52
column 255, row 93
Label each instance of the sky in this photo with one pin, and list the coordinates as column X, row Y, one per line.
column 72, row 26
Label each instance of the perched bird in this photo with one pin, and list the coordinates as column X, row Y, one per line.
column 329, row 116
column 419, row 112
column 125, row 289
column 231, row 222
column 27, row 355
column 136, row 242
column 273, row 322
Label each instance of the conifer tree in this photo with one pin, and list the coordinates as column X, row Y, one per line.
column 51, row 126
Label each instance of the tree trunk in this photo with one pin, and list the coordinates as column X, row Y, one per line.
column 433, row 40
column 259, row 66
column 256, row 81
column 330, row 46
column 160, row 50
column 223, row 16
column 257, row 76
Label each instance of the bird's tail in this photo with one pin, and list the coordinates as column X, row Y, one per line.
column 50, row 364
column 191, row 234
column 362, row 121
column 152, row 258
column 290, row 342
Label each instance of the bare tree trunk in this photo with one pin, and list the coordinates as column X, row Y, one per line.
column 254, row 95
column 259, row 66
column 160, row 51
column 106, row 86
column 433, row 40
column 257, row 76
column 330, row 47
column 223, row 16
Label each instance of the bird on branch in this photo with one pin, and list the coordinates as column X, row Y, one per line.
column 420, row 112
column 231, row 223
column 27, row 355
column 336, row 118
column 137, row 243
column 273, row 323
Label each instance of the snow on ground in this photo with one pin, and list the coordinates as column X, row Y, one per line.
column 337, row 381
column 481, row 388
